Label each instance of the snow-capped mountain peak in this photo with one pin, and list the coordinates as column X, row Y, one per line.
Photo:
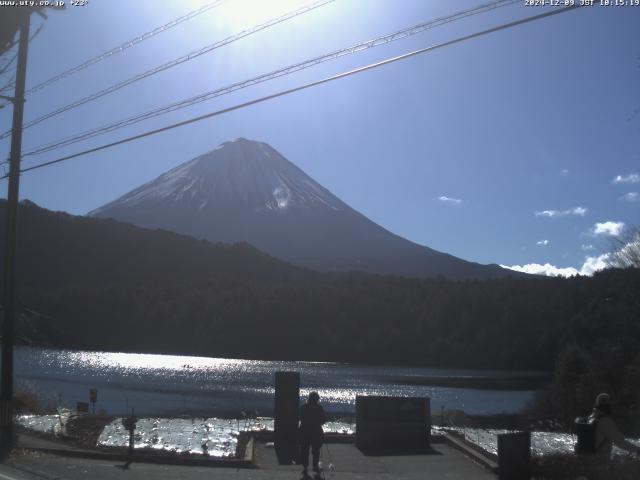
column 241, row 172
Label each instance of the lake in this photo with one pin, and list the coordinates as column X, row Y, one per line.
column 172, row 385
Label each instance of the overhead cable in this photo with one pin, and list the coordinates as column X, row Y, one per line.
column 128, row 44
column 3, row 70
column 304, row 87
column 400, row 34
column 173, row 63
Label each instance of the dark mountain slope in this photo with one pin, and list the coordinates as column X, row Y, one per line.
column 58, row 249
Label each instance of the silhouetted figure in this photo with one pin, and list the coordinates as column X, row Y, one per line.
column 311, row 435
column 606, row 432
column 129, row 424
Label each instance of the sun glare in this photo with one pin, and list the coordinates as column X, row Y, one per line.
column 246, row 13
column 136, row 361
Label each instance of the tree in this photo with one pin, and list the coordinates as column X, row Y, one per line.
column 625, row 251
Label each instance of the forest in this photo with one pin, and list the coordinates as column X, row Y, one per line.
column 88, row 283
column 91, row 283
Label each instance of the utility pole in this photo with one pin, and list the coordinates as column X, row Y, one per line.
column 9, row 279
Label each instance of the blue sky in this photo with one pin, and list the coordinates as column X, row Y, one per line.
column 517, row 148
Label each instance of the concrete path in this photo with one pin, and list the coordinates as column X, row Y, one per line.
column 41, row 442
column 444, row 462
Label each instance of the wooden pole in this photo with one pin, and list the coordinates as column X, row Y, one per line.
column 9, row 278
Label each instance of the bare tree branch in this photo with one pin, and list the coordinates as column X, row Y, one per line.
column 625, row 251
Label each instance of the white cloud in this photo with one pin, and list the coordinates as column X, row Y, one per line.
column 542, row 243
column 589, row 267
column 594, row 264
column 581, row 211
column 588, row 248
column 450, row 200
column 546, row 270
column 631, row 178
column 608, row 228
column 631, row 196
column 547, row 213
column 564, row 171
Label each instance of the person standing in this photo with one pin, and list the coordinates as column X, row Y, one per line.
column 311, row 434
column 606, row 432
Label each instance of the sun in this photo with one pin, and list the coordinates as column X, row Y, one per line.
column 241, row 14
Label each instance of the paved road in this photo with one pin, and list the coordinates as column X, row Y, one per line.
column 444, row 463
column 8, row 473
column 50, row 467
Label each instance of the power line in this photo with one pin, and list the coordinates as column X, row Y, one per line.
column 7, row 87
column 8, row 63
column 173, row 63
column 11, row 82
column 305, row 86
column 400, row 34
column 125, row 46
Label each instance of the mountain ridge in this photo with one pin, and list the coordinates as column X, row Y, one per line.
column 246, row 191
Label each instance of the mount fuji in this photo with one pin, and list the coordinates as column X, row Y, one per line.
column 245, row 191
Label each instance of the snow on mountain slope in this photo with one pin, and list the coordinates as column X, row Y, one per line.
column 251, row 174
column 245, row 191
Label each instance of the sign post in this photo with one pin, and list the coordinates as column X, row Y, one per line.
column 93, row 398
column 287, row 404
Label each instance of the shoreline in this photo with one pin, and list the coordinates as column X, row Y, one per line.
column 214, row 438
column 517, row 382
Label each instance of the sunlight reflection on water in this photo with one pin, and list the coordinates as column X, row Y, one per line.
column 167, row 385
column 153, row 362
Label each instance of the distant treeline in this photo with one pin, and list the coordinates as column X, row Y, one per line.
column 99, row 284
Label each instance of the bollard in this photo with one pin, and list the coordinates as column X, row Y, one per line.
column 286, row 409
column 129, row 423
column 514, row 456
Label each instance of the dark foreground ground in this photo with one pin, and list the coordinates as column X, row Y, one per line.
column 444, row 462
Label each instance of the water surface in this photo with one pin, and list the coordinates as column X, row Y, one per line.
column 169, row 385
